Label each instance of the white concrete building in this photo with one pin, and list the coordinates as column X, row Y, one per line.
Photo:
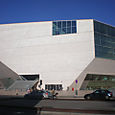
column 63, row 53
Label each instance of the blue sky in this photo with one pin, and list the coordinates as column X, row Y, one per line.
column 18, row 11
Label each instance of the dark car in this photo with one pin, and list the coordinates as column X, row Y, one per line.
column 39, row 94
column 36, row 94
column 99, row 95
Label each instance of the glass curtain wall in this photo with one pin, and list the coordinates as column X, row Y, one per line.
column 93, row 81
column 104, row 40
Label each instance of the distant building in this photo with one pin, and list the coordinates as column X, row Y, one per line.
column 69, row 54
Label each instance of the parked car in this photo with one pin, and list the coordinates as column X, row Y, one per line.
column 40, row 94
column 99, row 94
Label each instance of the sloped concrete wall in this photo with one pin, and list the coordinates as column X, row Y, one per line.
column 7, row 76
column 97, row 66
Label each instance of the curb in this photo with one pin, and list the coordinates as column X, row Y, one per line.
column 75, row 110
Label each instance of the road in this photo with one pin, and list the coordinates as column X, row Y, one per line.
column 75, row 106
column 83, row 105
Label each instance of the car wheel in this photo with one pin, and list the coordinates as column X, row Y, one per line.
column 88, row 97
column 107, row 98
column 43, row 98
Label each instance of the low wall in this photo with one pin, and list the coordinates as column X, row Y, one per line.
column 14, row 92
column 74, row 93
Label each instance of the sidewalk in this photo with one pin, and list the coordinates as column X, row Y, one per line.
column 70, row 97
column 76, row 98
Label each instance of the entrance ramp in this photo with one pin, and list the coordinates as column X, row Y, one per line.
column 21, row 85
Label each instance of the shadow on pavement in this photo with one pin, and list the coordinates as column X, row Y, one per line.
column 10, row 105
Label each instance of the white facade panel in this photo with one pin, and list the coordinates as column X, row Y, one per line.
column 30, row 48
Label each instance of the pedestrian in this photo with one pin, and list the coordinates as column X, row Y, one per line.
column 16, row 92
column 53, row 91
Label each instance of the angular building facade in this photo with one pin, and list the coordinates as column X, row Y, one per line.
column 68, row 54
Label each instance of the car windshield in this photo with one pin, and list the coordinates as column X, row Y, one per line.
column 97, row 91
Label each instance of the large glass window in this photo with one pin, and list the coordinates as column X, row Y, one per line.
column 93, row 81
column 30, row 77
column 104, row 40
column 64, row 27
column 6, row 82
